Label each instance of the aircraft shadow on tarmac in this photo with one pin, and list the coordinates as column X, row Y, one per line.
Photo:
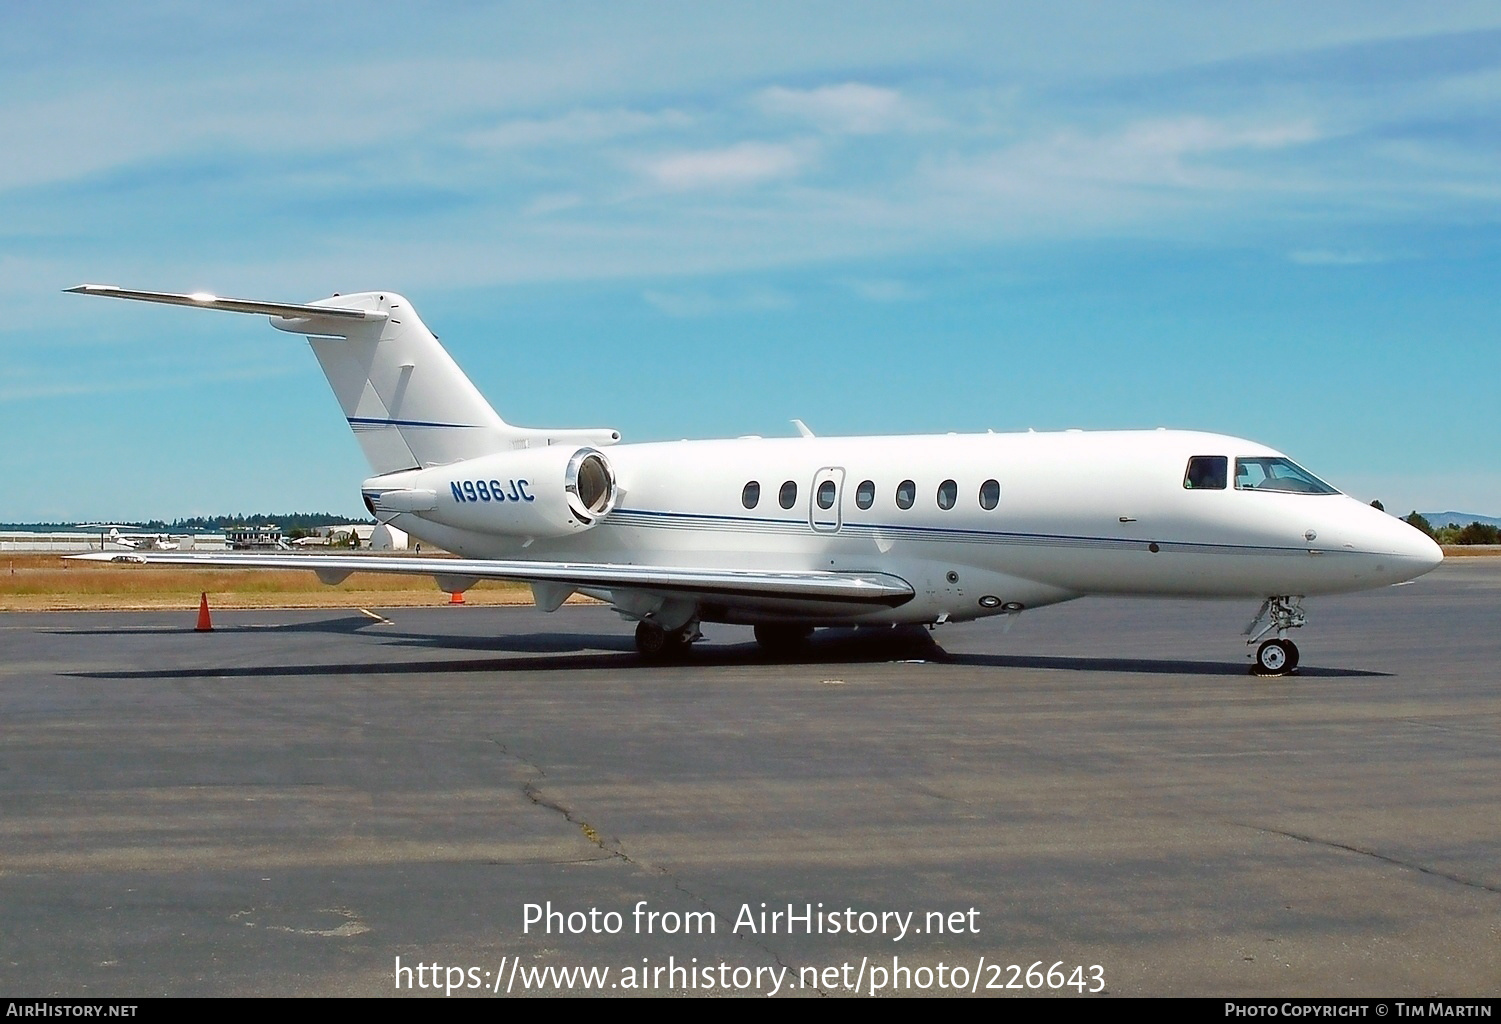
column 550, row 652
column 1149, row 666
column 573, row 652
column 842, row 645
column 346, row 624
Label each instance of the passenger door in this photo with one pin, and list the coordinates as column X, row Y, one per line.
column 825, row 500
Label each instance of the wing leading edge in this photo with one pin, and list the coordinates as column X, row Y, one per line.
column 867, row 588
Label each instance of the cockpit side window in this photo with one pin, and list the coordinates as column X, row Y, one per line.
column 1206, row 473
column 1282, row 475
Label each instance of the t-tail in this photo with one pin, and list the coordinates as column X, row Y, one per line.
column 405, row 398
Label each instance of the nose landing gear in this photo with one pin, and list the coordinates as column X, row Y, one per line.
column 1278, row 656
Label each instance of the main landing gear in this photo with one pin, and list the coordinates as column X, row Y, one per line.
column 1278, row 656
column 654, row 643
column 782, row 638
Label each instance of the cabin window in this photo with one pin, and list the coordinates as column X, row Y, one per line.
column 1206, row 473
column 826, row 494
column 865, row 494
column 906, row 494
column 948, row 493
column 788, row 495
column 1275, row 474
column 751, row 496
column 990, row 494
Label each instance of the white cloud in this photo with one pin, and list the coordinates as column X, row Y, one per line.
column 694, row 304
column 1159, row 152
column 745, row 163
column 577, row 127
column 1154, row 171
column 851, row 108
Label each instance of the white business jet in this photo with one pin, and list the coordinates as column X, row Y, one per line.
column 792, row 533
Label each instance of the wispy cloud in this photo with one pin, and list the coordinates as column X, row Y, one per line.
column 745, row 163
column 884, row 289
column 852, row 107
column 575, row 128
column 690, row 153
column 1177, row 153
column 1336, row 257
column 132, row 382
column 703, row 303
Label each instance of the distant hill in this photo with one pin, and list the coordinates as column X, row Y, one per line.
column 1439, row 520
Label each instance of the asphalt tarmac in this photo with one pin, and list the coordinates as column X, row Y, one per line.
column 301, row 802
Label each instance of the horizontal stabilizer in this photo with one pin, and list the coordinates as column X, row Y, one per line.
column 203, row 300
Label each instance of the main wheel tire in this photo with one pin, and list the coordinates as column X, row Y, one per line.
column 652, row 641
column 1275, row 658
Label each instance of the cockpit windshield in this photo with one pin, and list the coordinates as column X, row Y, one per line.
column 1281, row 475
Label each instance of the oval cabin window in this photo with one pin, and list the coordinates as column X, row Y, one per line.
column 990, row 494
column 948, row 493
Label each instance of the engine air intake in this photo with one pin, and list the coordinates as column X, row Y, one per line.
column 590, row 484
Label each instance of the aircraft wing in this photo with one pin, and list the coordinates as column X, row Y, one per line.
column 868, row 588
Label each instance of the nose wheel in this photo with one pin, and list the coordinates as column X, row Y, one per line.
column 1275, row 658
column 1278, row 656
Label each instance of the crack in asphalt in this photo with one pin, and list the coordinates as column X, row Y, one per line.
column 533, row 793
column 1385, row 859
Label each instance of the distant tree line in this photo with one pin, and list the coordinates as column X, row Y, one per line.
column 1475, row 533
column 288, row 521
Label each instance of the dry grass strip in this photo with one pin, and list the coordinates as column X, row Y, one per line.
column 49, row 583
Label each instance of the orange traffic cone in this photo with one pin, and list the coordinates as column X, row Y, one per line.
column 205, row 624
column 457, row 597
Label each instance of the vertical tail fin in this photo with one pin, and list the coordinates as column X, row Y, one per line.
column 407, row 401
column 405, row 398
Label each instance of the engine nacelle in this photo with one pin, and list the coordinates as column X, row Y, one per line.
column 535, row 492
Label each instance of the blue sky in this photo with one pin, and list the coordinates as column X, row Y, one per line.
column 1281, row 221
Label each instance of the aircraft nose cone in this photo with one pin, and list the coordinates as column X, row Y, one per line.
column 1429, row 553
column 1415, row 550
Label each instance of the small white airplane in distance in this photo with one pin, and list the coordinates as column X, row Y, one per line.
column 135, row 541
column 788, row 534
column 145, row 541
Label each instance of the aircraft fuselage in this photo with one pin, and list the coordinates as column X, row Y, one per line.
column 1073, row 513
